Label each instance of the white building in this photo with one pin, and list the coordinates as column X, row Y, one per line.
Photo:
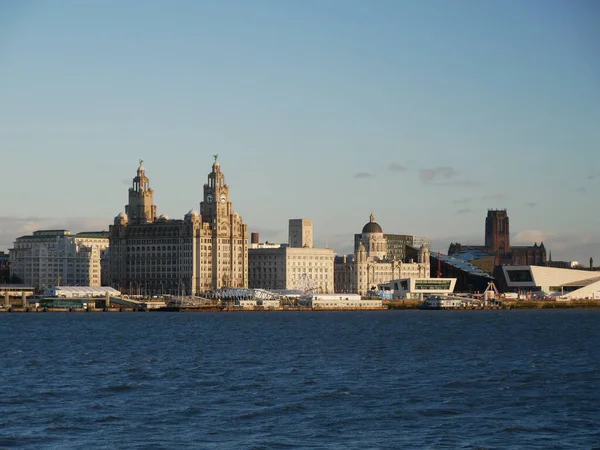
column 552, row 281
column 254, row 303
column 51, row 257
column 81, row 291
column 306, row 269
column 264, row 245
column 338, row 301
column 414, row 288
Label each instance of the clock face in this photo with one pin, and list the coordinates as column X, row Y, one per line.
column 210, row 198
column 223, row 198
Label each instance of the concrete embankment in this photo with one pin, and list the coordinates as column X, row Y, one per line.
column 402, row 304
column 17, row 309
column 391, row 305
column 549, row 304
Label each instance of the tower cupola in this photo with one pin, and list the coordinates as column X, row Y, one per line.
column 141, row 208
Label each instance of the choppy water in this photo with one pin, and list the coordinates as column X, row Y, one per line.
column 262, row 380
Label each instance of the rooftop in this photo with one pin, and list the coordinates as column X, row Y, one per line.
column 463, row 265
column 582, row 282
column 52, row 232
column 93, row 235
column 470, row 253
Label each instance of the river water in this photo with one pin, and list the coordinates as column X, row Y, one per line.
column 270, row 380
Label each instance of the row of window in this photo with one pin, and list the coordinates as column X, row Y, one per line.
column 293, row 270
column 269, row 276
column 272, row 257
column 153, row 241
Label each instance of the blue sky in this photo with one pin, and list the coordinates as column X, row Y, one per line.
column 425, row 113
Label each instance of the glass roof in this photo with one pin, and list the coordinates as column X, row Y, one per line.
column 463, row 265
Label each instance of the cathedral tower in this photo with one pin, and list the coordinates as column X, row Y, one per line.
column 497, row 233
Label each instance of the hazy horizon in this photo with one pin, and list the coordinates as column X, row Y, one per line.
column 425, row 113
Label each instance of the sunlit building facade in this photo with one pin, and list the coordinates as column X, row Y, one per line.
column 371, row 264
column 297, row 268
column 206, row 250
column 56, row 257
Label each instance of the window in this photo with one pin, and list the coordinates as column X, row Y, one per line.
column 519, row 276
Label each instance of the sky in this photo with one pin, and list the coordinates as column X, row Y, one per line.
column 425, row 113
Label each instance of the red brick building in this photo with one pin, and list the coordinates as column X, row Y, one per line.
column 497, row 242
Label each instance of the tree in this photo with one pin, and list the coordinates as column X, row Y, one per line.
column 454, row 247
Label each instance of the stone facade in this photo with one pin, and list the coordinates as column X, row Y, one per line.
column 397, row 244
column 371, row 263
column 204, row 251
column 300, row 233
column 307, row 269
column 533, row 255
column 55, row 257
column 343, row 274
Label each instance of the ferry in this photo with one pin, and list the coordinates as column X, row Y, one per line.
column 442, row 302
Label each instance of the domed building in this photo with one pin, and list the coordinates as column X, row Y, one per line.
column 372, row 262
column 373, row 240
column 151, row 255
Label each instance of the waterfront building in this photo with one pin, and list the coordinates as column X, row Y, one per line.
column 152, row 255
column 293, row 266
column 415, row 288
column 371, row 264
column 337, row 301
column 397, row 244
column 470, row 278
column 81, row 292
column 537, row 281
column 253, row 303
column 56, row 257
column 284, row 267
column 343, row 274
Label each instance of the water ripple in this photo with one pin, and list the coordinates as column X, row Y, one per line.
column 386, row 380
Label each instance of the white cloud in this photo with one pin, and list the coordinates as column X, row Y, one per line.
column 529, row 237
column 444, row 172
column 395, row 167
column 444, row 176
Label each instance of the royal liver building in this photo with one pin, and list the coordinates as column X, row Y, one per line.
column 150, row 255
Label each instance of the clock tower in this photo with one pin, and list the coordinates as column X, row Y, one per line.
column 228, row 253
column 216, row 195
